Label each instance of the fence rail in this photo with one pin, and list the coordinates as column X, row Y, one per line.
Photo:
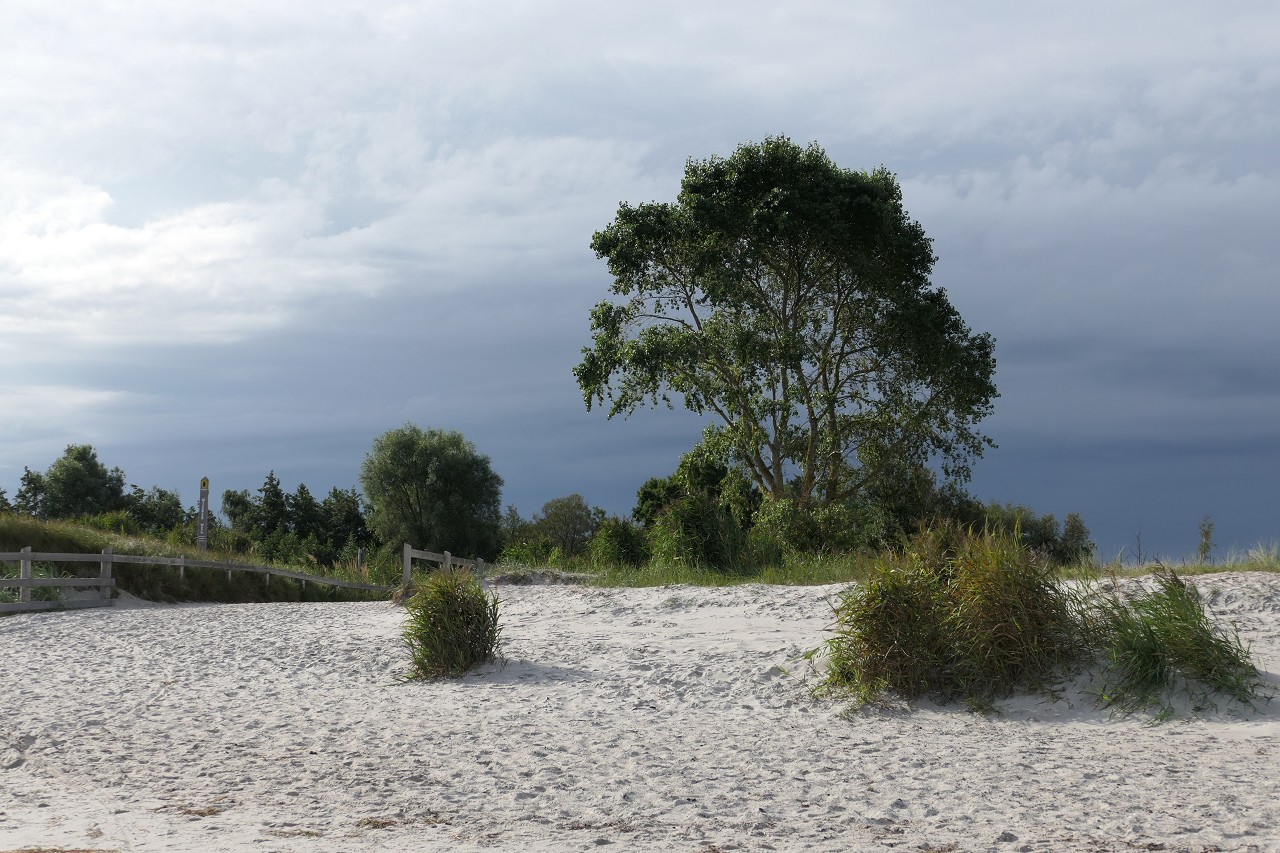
column 105, row 581
column 446, row 561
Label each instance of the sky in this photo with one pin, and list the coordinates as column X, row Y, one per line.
column 244, row 237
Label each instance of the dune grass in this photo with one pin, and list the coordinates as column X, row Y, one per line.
column 1156, row 641
column 975, row 616
column 452, row 626
column 952, row 615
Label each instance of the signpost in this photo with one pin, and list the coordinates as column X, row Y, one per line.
column 202, row 526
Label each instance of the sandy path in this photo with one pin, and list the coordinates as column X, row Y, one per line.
column 661, row 719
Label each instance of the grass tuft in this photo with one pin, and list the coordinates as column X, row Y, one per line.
column 951, row 615
column 1157, row 640
column 452, row 626
column 958, row 615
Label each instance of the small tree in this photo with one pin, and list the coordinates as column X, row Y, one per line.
column 155, row 511
column 306, row 520
column 76, row 484
column 1204, row 551
column 433, row 489
column 567, row 523
column 343, row 520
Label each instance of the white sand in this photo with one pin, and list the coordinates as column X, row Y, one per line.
column 659, row 719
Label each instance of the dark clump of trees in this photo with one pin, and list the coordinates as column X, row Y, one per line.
column 288, row 527
column 430, row 488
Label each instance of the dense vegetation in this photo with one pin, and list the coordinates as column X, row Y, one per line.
column 955, row 614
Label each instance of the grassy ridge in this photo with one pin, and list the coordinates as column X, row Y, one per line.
column 162, row 583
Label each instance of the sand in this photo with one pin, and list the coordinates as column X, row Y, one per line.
column 676, row 718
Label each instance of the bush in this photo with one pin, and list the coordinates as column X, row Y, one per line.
column 532, row 552
column 952, row 615
column 617, row 541
column 697, row 532
column 955, row 614
column 452, row 626
column 1150, row 640
column 840, row 527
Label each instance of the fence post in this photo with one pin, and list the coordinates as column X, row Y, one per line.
column 479, row 567
column 24, row 572
column 104, row 574
column 182, row 568
column 448, row 562
column 408, row 562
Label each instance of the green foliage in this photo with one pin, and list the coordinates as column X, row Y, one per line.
column 1205, row 550
column 844, row 526
column 154, row 511
column 567, row 523
column 431, row 488
column 534, row 551
column 952, row 615
column 1064, row 545
column 452, row 626
column 1157, row 639
column 790, row 299
column 163, row 583
column 654, row 496
column 959, row 615
column 618, row 541
column 75, row 484
column 513, row 527
column 5, row 506
column 274, row 525
column 698, row 532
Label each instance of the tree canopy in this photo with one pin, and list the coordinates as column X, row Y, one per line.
column 790, row 299
column 432, row 489
column 76, row 484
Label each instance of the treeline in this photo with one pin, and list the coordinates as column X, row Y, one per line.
column 709, row 515
column 269, row 524
column 432, row 489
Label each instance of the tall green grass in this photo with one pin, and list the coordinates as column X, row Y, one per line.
column 1155, row 641
column 962, row 615
column 452, row 626
column 952, row 615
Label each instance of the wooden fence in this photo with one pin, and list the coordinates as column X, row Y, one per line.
column 105, row 582
column 446, row 561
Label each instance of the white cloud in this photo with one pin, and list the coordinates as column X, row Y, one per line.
column 213, row 271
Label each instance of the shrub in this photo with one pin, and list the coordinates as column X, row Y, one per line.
column 617, row 541
column 532, row 552
column 452, row 626
column 953, row 614
column 697, row 532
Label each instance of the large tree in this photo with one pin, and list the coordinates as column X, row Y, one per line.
column 432, row 489
column 790, row 299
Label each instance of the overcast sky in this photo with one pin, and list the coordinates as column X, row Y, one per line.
column 245, row 236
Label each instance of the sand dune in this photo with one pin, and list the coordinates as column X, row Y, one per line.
column 659, row 719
